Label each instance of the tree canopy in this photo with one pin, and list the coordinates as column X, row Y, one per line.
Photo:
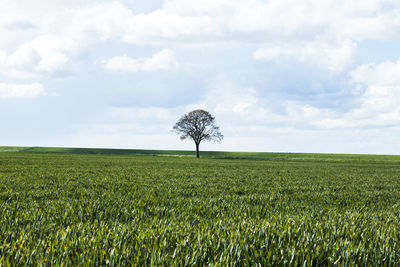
column 198, row 125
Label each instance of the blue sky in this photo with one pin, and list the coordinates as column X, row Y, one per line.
column 278, row 75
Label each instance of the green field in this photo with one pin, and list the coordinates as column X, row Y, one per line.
column 207, row 154
column 107, row 207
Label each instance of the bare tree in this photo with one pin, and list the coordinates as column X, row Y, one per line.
column 198, row 125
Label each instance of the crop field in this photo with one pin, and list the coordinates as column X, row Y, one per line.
column 237, row 209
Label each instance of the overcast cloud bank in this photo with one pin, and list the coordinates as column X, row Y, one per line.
column 278, row 75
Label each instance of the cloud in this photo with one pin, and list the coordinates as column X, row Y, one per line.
column 49, row 42
column 250, row 124
column 182, row 20
column 270, row 25
column 333, row 56
column 233, row 104
column 11, row 90
column 379, row 108
column 140, row 114
column 46, row 54
column 163, row 60
column 100, row 21
column 19, row 25
column 235, row 108
column 192, row 21
column 380, row 101
column 383, row 74
column 324, row 33
column 377, row 105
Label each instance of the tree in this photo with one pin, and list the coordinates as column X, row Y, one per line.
column 198, row 125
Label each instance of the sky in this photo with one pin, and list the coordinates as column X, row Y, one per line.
column 278, row 75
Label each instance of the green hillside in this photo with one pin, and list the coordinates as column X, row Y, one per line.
column 206, row 154
column 12, row 148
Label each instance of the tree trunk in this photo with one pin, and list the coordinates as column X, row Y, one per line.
column 197, row 151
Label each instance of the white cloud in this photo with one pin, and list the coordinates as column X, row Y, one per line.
column 99, row 21
column 11, row 90
column 250, row 125
column 377, row 106
column 199, row 21
column 163, row 60
column 232, row 103
column 46, row 54
column 383, row 74
column 380, row 107
column 47, row 42
column 140, row 114
column 122, row 64
column 276, row 19
column 380, row 102
column 237, row 106
column 62, row 28
column 333, row 56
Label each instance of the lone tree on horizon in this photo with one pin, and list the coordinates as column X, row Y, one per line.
column 198, row 125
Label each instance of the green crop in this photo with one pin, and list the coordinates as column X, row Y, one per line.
column 76, row 209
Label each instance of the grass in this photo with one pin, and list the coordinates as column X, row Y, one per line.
column 207, row 154
column 12, row 148
column 118, row 209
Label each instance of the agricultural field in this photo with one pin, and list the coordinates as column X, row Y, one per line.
column 119, row 208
